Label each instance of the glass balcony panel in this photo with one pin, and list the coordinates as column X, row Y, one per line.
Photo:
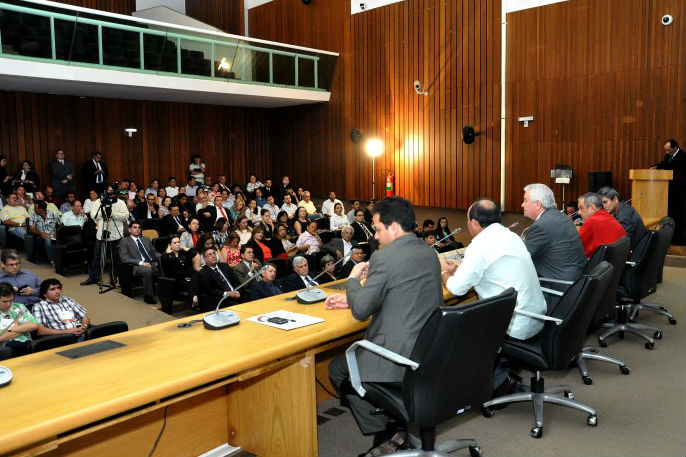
column 284, row 69
column 196, row 58
column 76, row 42
column 120, row 48
column 25, row 34
column 306, row 72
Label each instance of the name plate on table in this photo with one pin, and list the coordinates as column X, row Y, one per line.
column 285, row 320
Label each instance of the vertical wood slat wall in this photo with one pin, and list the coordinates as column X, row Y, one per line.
column 606, row 83
column 226, row 15
column 231, row 140
column 449, row 45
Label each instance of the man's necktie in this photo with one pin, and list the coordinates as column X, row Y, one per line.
column 273, row 288
column 98, row 176
column 227, row 284
column 310, row 282
column 177, row 221
column 143, row 251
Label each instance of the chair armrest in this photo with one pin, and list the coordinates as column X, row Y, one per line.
column 540, row 317
column 557, row 281
column 354, row 371
column 552, row 291
column 630, row 263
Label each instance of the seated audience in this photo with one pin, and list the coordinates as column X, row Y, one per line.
column 214, row 282
column 221, row 232
column 356, row 205
column 26, row 283
column 301, row 222
column 57, row 314
column 309, row 206
column 206, row 240
column 192, row 187
column 232, row 249
column 26, row 177
column 328, row 270
column 266, row 287
column 253, row 212
column 243, row 230
column 165, row 201
column 572, row 210
column 267, row 190
column 259, row 198
column 369, row 211
column 172, row 189
column 269, row 205
column 16, row 322
column 265, row 250
column 625, row 214
column 154, row 187
column 299, row 279
column 599, row 227
column 88, row 204
column 310, row 238
column 357, row 256
column 363, row 231
column 329, row 205
column 180, row 263
column 338, row 219
column 75, row 216
column 138, row 251
column 289, row 247
column 40, row 196
column 43, row 225
column 248, row 266
column 252, row 185
column 442, row 231
column 266, row 223
column 148, row 209
column 341, row 247
column 288, row 206
column 173, row 223
column 220, row 211
column 238, row 210
column 430, row 239
column 68, row 201
column 197, row 169
column 14, row 216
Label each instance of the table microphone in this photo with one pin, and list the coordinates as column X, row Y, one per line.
column 454, row 232
column 513, row 225
column 225, row 318
column 309, row 296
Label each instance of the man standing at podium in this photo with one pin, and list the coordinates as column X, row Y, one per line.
column 675, row 160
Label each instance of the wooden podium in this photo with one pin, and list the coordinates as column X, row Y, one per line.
column 653, row 187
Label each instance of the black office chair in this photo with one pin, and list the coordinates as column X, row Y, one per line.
column 160, row 243
column 106, row 329
column 664, row 239
column 169, row 290
column 616, row 255
column 556, row 347
column 638, row 281
column 5, row 353
column 70, row 250
column 451, row 370
column 44, row 343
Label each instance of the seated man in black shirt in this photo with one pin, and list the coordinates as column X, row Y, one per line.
column 625, row 214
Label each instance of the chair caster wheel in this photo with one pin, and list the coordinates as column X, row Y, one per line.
column 569, row 394
column 649, row 345
column 657, row 335
column 592, row 421
column 602, row 343
column 487, row 412
column 587, row 380
column 624, row 369
column 672, row 321
column 475, row 451
column 537, row 432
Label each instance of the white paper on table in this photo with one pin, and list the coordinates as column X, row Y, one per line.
column 295, row 320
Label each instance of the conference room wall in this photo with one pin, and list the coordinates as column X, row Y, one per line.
column 606, row 83
column 226, row 15
column 452, row 47
column 125, row 7
column 230, row 139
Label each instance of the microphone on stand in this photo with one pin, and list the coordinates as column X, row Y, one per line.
column 308, row 296
column 225, row 318
column 454, row 232
column 513, row 225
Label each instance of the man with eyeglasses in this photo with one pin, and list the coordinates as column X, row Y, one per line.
column 25, row 282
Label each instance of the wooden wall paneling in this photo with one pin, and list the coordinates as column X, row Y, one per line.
column 226, row 15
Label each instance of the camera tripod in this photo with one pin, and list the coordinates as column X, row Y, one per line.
column 105, row 242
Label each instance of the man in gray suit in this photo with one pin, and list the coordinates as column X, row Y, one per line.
column 248, row 267
column 138, row 251
column 340, row 247
column 552, row 240
column 403, row 288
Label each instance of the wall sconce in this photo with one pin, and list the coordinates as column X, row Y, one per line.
column 525, row 120
column 130, row 131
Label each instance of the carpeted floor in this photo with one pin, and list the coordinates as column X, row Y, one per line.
column 642, row 414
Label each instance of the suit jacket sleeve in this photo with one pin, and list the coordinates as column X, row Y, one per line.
column 536, row 242
column 128, row 253
column 366, row 301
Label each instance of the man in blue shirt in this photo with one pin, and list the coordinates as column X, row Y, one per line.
column 25, row 282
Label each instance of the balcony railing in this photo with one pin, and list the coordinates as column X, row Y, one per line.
column 52, row 34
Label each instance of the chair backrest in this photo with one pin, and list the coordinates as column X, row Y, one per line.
column 52, row 341
column 106, row 329
column 161, row 243
column 456, row 351
column 640, row 280
column 561, row 343
column 616, row 254
column 150, row 234
column 150, row 224
column 69, row 234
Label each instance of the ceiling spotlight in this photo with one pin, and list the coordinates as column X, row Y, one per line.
column 130, row 131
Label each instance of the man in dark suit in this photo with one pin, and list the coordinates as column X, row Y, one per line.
column 207, row 216
column 627, row 217
column 281, row 189
column 248, row 266
column 95, row 174
column 402, row 290
column 675, row 160
column 356, row 256
column 63, row 173
column 214, row 282
column 552, row 240
column 300, row 278
column 267, row 287
column 173, row 223
column 148, row 209
column 138, row 251
column 342, row 246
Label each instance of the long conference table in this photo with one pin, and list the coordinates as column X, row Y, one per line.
column 250, row 385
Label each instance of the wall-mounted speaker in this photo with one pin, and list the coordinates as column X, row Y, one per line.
column 355, row 135
column 469, row 134
column 306, row 2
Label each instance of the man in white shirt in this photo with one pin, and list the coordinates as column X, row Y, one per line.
column 329, row 205
column 310, row 238
column 273, row 209
column 191, row 187
column 309, row 206
column 172, row 189
column 288, row 206
column 495, row 260
column 354, row 210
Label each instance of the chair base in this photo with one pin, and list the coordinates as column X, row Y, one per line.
column 443, row 449
column 592, row 353
column 634, row 329
column 543, row 395
column 654, row 307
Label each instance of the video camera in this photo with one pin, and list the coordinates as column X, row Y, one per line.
column 107, row 199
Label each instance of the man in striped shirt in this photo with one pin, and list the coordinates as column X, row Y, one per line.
column 57, row 314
